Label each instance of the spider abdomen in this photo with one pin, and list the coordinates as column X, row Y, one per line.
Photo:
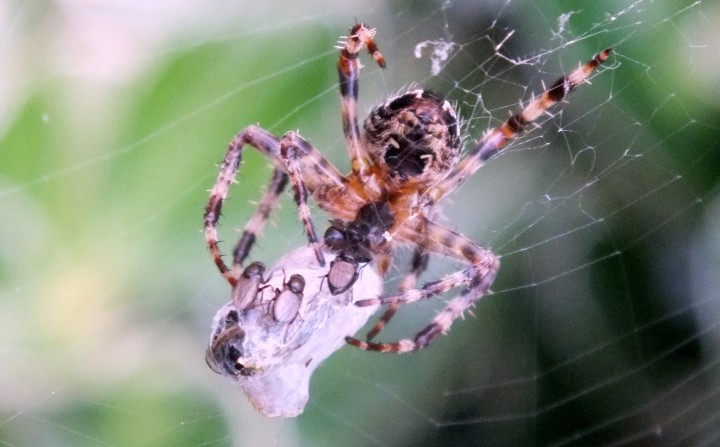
column 413, row 136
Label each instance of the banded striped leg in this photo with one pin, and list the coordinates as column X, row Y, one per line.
column 307, row 163
column 478, row 278
column 291, row 148
column 495, row 139
column 348, row 72
column 256, row 223
column 264, row 142
column 417, row 267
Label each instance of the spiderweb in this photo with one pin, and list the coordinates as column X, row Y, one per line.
column 604, row 323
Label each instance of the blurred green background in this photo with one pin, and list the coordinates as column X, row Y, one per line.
column 603, row 328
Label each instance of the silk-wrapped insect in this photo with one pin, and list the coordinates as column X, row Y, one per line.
column 283, row 323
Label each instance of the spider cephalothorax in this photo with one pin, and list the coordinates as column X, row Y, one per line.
column 403, row 164
column 356, row 243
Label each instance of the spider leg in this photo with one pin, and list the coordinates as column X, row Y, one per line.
column 495, row 139
column 417, row 266
column 306, row 163
column 252, row 136
column 256, row 223
column 478, row 278
column 348, row 72
column 292, row 148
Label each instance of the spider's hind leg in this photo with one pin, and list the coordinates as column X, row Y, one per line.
column 308, row 170
column 417, row 266
column 495, row 139
column 477, row 279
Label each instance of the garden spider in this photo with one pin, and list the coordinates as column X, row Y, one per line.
column 404, row 164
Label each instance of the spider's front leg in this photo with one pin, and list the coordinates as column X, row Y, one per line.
column 348, row 72
column 293, row 158
column 262, row 213
column 478, row 278
column 293, row 149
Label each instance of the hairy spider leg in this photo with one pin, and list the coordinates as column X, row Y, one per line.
column 417, row 266
column 478, row 278
column 495, row 139
column 289, row 146
column 484, row 265
column 348, row 72
column 307, row 167
column 262, row 213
